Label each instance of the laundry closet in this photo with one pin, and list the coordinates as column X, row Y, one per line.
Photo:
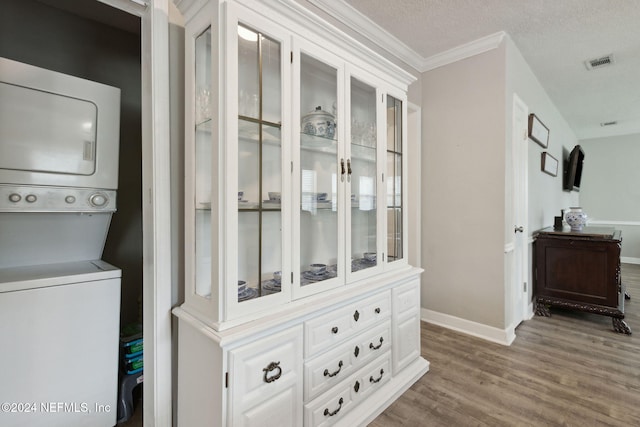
column 70, row 219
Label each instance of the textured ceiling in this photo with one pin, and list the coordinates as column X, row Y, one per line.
column 554, row 36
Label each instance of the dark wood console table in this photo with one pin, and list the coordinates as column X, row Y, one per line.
column 580, row 270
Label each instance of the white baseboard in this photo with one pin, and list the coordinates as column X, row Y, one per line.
column 629, row 260
column 489, row 333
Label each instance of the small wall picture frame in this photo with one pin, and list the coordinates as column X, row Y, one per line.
column 549, row 164
column 538, row 132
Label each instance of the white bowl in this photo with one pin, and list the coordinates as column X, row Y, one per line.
column 369, row 256
column 318, row 269
column 242, row 286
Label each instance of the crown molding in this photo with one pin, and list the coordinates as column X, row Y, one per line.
column 464, row 51
column 354, row 19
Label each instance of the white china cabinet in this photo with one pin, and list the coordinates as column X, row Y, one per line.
column 299, row 301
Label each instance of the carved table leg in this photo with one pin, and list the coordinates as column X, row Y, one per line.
column 542, row 310
column 620, row 326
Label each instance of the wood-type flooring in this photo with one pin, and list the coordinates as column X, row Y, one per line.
column 570, row 369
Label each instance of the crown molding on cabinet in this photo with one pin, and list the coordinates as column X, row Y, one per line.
column 352, row 18
column 355, row 20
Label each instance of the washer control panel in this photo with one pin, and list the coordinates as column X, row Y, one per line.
column 16, row 198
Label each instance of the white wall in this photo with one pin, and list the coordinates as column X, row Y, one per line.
column 463, row 182
column 610, row 190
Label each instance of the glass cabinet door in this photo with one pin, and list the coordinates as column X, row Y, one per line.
column 394, row 180
column 259, row 167
column 202, row 164
column 319, row 174
column 362, row 172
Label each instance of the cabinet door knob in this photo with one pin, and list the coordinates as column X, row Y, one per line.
column 519, row 229
column 377, row 310
column 334, row 329
column 342, row 170
column 356, row 386
column 356, row 316
column 356, row 351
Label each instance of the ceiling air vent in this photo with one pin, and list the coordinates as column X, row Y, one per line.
column 604, row 61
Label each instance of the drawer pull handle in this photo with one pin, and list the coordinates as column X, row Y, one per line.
column 332, row 413
column 356, row 386
column 371, row 380
column 377, row 310
column 356, row 351
column 327, row 374
column 356, row 316
column 334, row 329
column 376, row 347
column 271, row 367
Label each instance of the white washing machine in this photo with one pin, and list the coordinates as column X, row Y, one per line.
column 59, row 328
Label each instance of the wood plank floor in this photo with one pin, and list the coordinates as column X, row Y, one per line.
column 570, row 369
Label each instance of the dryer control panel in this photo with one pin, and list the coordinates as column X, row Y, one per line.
column 27, row 198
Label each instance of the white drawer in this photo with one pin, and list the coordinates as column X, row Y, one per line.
column 265, row 381
column 330, row 368
column 323, row 332
column 330, row 408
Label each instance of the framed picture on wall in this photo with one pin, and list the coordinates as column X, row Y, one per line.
column 538, row 131
column 549, row 164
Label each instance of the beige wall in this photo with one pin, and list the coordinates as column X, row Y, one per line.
column 463, row 187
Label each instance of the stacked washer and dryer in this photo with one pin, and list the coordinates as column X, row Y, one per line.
column 59, row 302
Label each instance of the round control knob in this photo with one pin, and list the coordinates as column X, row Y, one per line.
column 98, row 200
column 15, row 197
column 30, row 198
column 70, row 199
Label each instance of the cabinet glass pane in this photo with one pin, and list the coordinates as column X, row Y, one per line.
column 394, row 179
column 363, row 176
column 202, row 166
column 318, row 174
column 259, row 165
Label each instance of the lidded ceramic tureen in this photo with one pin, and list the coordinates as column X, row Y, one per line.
column 319, row 123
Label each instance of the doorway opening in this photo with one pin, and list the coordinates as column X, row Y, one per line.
column 94, row 41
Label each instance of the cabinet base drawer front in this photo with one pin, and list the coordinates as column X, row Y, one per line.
column 323, row 332
column 328, row 410
column 330, row 407
column 329, row 369
column 372, row 378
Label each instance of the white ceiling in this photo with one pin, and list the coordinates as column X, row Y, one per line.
column 554, row 36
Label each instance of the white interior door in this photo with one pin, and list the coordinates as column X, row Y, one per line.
column 520, row 288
